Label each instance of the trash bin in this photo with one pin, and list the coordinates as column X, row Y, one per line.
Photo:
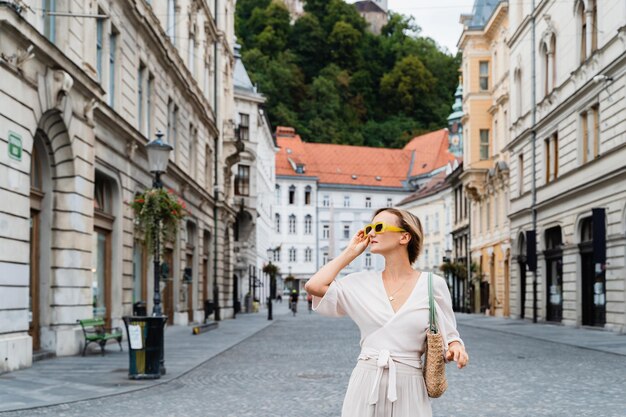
column 145, row 346
column 139, row 309
column 209, row 306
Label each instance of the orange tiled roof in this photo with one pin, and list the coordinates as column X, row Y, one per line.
column 358, row 165
column 431, row 152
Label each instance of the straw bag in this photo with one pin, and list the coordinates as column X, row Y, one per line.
column 434, row 363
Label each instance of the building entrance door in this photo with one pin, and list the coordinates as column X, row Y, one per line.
column 593, row 282
column 33, row 313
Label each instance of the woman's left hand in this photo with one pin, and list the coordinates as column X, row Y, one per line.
column 456, row 352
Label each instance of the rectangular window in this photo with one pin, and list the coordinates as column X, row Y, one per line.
column 307, row 225
column 244, row 126
column 307, row 255
column 368, row 202
column 324, row 258
column 325, row 231
column 292, row 255
column 277, row 255
column 436, row 222
column 191, row 58
column 99, row 45
column 292, row 195
column 171, row 20
column 484, row 75
column 149, row 109
column 555, row 155
column 520, row 173
column 208, row 170
column 242, row 180
column 346, row 231
column 49, row 21
column 590, row 129
column 346, row 201
column 307, row 196
column 547, row 159
column 484, row 144
column 326, row 201
column 368, row 260
column 112, row 56
column 140, row 96
column 389, row 202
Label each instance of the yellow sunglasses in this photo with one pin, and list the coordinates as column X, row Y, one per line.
column 381, row 227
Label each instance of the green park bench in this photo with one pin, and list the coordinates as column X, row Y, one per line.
column 95, row 332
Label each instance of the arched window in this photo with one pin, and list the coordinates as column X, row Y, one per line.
column 292, row 194
column 307, row 224
column 581, row 18
column 292, row 224
column 545, row 67
column 292, row 254
column 307, row 195
column 307, row 255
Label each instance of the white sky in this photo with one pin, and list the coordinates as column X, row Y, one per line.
column 439, row 19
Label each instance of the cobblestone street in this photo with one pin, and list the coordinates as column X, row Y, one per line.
column 300, row 367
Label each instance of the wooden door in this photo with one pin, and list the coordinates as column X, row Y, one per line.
column 34, row 310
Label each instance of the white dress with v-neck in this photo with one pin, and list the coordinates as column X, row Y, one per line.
column 387, row 380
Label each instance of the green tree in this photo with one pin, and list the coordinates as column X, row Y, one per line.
column 407, row 89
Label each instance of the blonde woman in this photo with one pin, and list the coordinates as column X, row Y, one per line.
column 391, row 311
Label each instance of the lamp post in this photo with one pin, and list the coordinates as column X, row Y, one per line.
column 158, row 157
column 272, row 273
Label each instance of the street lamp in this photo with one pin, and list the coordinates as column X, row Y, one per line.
column 158, row 157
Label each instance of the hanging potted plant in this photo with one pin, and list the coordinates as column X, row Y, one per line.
column 154, row 205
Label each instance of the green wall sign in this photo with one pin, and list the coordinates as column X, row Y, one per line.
column 15, row 146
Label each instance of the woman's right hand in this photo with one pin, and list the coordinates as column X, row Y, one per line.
column 358, row 244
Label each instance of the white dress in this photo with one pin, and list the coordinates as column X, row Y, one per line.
column 387, row 380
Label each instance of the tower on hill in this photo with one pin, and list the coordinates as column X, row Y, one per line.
column 374, row 12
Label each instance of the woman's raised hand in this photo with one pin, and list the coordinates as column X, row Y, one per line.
column 358, row 244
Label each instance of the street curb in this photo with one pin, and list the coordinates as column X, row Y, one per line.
column 156, row 384
column 558, row 342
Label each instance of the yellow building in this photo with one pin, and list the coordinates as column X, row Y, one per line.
column 486, row 174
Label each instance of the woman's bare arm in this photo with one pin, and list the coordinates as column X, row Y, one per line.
column 318, row 284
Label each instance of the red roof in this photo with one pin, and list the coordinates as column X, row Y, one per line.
column 359, row 165
column 431, row 152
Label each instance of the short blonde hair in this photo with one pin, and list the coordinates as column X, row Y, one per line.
column 410, row 223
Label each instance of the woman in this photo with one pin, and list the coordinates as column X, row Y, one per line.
column 391, row 310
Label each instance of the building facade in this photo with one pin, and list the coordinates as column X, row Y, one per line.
column 254, row 183
column 432, row 204
column 485, row 175
column 568, row 144
column 325, row 193
column 84, row 87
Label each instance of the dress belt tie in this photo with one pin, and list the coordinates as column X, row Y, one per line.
column 383, row 361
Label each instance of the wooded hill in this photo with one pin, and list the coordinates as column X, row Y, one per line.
column 335, row 82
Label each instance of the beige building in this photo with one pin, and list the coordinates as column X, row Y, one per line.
column 374, row 12
column 83, row 87
column 485, row 175
column 568, row 146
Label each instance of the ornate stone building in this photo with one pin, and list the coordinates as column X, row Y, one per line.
column 83, row 87
column 568, row 146
column 485, row 159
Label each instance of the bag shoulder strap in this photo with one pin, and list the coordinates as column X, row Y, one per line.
column 432, row 321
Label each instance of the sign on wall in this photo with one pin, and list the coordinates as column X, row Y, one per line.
column 15, row 146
